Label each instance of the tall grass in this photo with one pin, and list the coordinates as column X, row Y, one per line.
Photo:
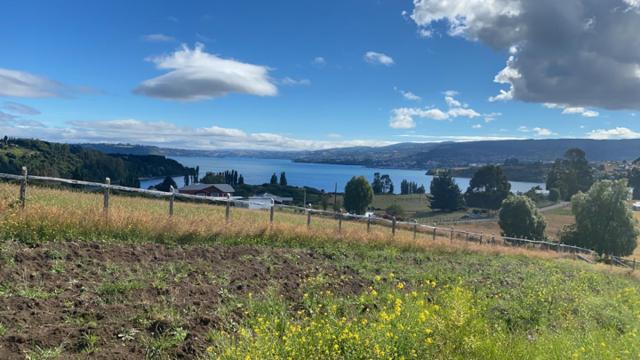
column 63, row 214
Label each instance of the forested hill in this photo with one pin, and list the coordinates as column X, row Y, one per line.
column 429, row 155
column 72, row 161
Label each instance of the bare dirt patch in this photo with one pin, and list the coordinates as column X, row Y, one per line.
column 121, row 301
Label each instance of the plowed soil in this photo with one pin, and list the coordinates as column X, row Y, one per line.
column 110, row 301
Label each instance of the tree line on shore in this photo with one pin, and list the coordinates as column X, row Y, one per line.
column 604, row 221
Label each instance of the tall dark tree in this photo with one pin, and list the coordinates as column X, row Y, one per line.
column 445, row 193
column 283, row 179
column 240, row 180
column 376, row 184
column 186, row 180
column 196, row 175
column 634, row 182
column 274, row 179
column 357, row 195
column 571, row 174
column 488, row 188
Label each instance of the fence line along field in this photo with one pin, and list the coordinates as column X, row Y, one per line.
column 135, row 283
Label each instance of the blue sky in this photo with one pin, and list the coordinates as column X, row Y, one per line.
column 308, row 75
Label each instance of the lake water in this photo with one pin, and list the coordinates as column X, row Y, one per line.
column 320, row 176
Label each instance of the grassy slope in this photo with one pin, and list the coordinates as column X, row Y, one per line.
column 362, row 296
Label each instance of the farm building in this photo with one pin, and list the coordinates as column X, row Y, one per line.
column 636, row 206
column 277, row 199
column 216, row 190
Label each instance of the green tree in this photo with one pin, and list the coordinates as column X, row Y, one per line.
column 283, row 179
column 554, row 195
column 520, row 218
column 357, row 195
column 274, row 179
column 166, row 184
column 240, row 180
column 488, row 188
column 445, row 193
column 376, row 184
column 570, row 174
column 604, row 221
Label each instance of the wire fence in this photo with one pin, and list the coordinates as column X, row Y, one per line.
column 393, row 224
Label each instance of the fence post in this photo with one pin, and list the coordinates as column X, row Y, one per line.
column 23, row 188
column 272, row 211
column 481, row 237
column 107, row 182
column 369, row 223
column 308, row 218
column 171, row 198
column 634, row 264
column 467, row 236
column 227, row 210
column 451, row 236
column 415, row 229
column 434, row 233
column 393, row 226
column 339, row 223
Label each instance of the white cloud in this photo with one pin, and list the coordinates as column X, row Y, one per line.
column 15, row 83
column 378, row 58
column 459, row 138
column 451, row 102
column 158, row 38
column 403, row 118
column 166, row 134
column 425, row 33
column 197, row 75
column 543, row 131
column 491, row 116
column 591, row 60
column 476, row 126
column 575, row 110
column 408, row 94
column 615, row 133
column 539, row 131
column 319, row 61
column 293, row 82
column 20, row 109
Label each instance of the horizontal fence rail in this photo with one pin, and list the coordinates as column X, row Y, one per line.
column 394, row 224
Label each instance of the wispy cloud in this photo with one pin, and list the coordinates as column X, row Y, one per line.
column 319, row 61
column 615, row 133
column 576, row 110
column 158, row 38
column 408, row 94
column 378, row 58
column 16, row 83
column 19, row 109
column 293, row 82
column 166, row 134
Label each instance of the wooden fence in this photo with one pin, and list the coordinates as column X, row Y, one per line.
column 393, row 224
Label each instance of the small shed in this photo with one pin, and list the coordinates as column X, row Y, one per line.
column 636, row 206
column 276, row 199
column 215, row 190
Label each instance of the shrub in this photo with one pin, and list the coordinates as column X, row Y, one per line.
column 554, row 195
column 604, row 221
column 357, row 195
column 519, row 218
column 395, row 210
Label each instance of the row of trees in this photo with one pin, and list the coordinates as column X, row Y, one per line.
column 410, row 187
column 382, row 184
column 487, row 189
column 231, row 177
column 281, row 182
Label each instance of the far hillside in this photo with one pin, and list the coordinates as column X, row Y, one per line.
column 75, row 162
